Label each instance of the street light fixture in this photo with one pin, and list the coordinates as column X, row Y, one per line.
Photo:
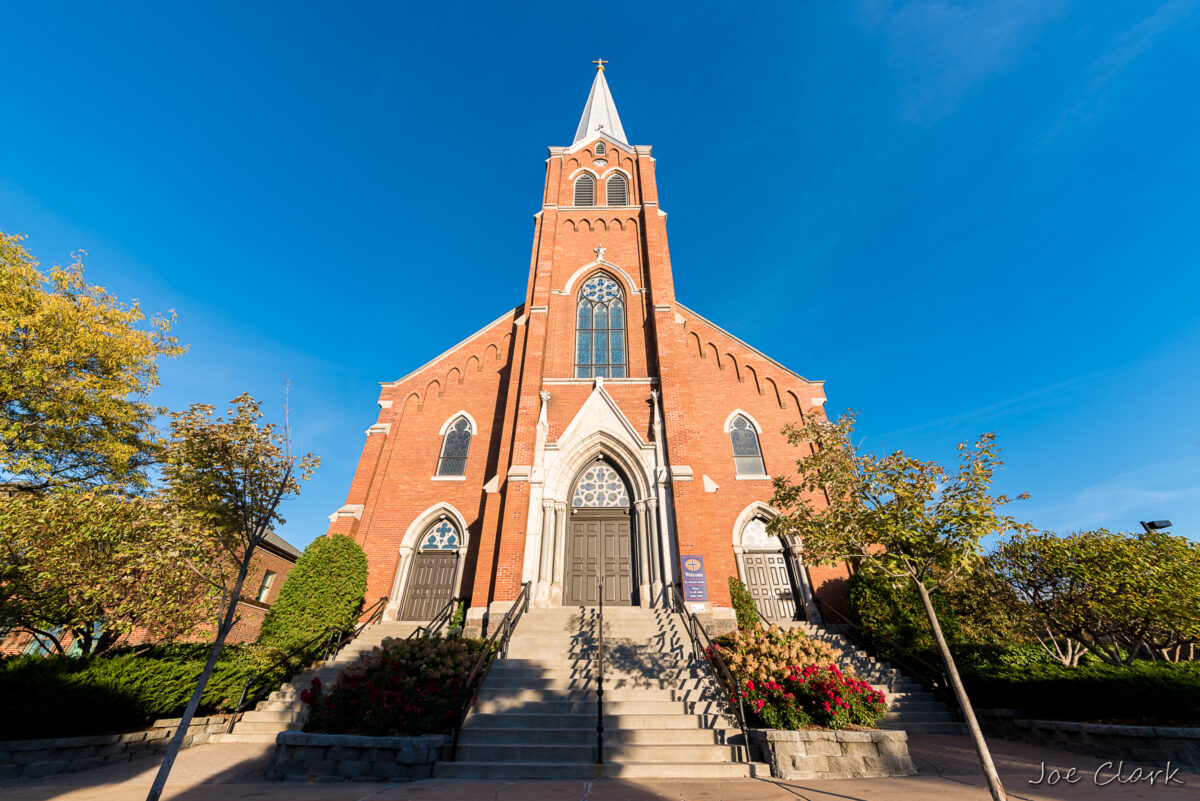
column 1155, row 524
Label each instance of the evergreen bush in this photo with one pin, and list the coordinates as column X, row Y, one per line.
column 889, row 610
column 325, row 589
column 743, row 604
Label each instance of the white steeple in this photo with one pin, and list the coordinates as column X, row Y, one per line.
column 600, row 113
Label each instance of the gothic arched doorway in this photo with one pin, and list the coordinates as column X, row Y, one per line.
column 770, row 574
column 599, row 540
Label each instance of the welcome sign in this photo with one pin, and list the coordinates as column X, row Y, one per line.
column 695, row 588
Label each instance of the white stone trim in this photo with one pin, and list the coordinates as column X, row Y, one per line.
column 379, row 428
column 630, row 286
column 747, row 415
column 447, row 478
column 681, row 472
column 385, row 404
column 572, row 176
column 588, row 381
column 741, row 477
column 455, row 416
column 519, row 472
column 709, row 484
column 492, row 486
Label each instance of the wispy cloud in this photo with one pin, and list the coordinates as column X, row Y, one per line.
column 943, row 50
column 1119, row 502
column 1122, row 51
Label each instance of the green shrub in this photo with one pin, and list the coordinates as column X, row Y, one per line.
column 743, row 604
column 803, row 697
column 1142, row 692
column 59, row 696
column 324, row 589
column 404, row 687
column 894, row 611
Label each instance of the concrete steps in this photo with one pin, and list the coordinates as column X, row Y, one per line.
column 284, row 711
column 535, row 717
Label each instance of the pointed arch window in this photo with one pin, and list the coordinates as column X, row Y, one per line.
column 585, row 190
column 617, row 191
column 600, row 329
column 600, row 149
column 600, row 486
column 747, row 456
column 455, row 445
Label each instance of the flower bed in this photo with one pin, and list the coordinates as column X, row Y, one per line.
column 402, row 688
column 787, row 681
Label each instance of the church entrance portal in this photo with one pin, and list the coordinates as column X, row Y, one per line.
column 434, row 567
column 599, row 540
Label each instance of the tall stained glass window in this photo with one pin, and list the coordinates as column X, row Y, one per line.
column 747, row 456
column 453, row 461
column 600, row 329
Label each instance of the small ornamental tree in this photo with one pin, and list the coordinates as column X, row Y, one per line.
column 75, row 558
column 324, row 590
column 230, row 475
column 76, row 367
column 916, row 522
column 1116, row 595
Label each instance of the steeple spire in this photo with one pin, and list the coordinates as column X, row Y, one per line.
column 600, row 113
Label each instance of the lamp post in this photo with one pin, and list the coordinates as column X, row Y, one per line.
column 1152, row 525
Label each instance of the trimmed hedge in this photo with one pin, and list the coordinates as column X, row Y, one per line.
column 1141, row 693
column 59, row 696
column 743, row 604
column 325, row 588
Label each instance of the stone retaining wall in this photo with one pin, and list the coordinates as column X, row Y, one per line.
column 815, row 754
column 30, row 759
column 300, row 756
column 1151, row 745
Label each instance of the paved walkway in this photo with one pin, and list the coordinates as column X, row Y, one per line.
column 946, row 763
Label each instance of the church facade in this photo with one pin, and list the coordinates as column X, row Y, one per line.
column 599, row 429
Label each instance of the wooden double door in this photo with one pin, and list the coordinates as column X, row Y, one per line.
column 430, row 584
column 599, row 542
column 769, row 579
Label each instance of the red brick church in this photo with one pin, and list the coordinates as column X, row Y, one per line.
column 599, row 426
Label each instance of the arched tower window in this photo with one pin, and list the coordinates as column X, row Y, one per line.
column 453, row 460
column 747, row 456
column 617, row 193
column 600, row 329
column 600, row 149
column 585, row 190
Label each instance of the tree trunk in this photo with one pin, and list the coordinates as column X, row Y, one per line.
column 164, row 770
column 981, row 749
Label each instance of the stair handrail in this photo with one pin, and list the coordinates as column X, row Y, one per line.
column 703, row 644
column 440, row 619
column 495, row 648
column 600, row 675
column 327, row 643
column 932, row 678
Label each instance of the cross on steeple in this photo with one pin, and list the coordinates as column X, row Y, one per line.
column 600, row 64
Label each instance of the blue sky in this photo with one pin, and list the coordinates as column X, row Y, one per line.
column 965, row 217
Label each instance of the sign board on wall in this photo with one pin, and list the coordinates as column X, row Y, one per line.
column 695, row 588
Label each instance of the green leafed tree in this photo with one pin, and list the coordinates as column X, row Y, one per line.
column 77, row 368
column 230, row 474
column 324, row 590
column 75, row 559
column 1119, row 596
column 916, row 522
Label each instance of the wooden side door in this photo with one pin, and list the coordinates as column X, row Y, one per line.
column 430, row 584
column 768, row 581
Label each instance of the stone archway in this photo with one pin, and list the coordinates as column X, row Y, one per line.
column 771, row 568
column 599, row 540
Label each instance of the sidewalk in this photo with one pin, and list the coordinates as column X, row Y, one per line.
column 946, row 762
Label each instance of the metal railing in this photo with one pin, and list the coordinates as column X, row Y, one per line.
column 495, row 648
column 325, row 644
column 703, row 644
column 600, row 677
column 443, row 616
column 931, row 678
